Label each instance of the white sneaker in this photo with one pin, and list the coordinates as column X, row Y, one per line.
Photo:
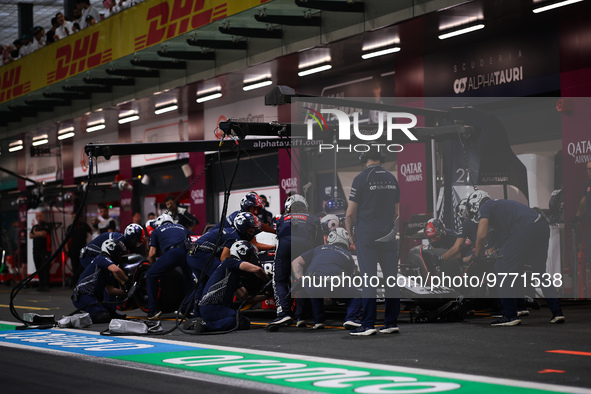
column 301, row 323
column 318, row 326
column 524, row 312
column 351, row 325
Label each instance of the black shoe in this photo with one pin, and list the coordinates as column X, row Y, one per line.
column 199, row 325
column 363, row 331
column 506, row 322
column 278, row 322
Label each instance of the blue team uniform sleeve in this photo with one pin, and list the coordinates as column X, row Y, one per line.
column 356, row 188
column 485, row 210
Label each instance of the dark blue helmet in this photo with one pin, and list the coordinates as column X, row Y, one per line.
column 251, row 200
column 245, row 221
column 134, row 235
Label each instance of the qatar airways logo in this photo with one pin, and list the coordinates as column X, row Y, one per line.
column 386, row 123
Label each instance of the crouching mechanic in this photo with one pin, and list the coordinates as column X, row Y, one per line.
column 132, row 237
column 217, row 304
column 245, row 227
column 330, row 260
column 168, row 241
column 527, row 240
column 251, row 203
column 97, row 279
column 297, row 233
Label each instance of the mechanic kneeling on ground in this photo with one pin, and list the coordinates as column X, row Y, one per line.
column 97, row 279
column 245, row 227
column 217, row 304
column 331, row 260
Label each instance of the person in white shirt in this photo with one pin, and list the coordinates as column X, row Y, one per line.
column 87, row 10
column 38, row 38
column 27, row 47
column 65, row 28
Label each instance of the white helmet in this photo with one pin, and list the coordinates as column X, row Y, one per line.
column 462, row 209
column 475, row 201
column 300, row 201
column 112, row 248
column 329, row 222
column 339, row 236
column 160, row 220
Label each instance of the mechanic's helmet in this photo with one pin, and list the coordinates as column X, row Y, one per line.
column 340, row 237
column 112, row 248
column 295, row 203
column 150, row 226
column 475, row 201
column 462, row 209
column 134, row 235
column 329, row 222
column 164, row 218
column 243, row 222
column 335, row 206
column 434, row 230
column 245, row 251
column 251, row 200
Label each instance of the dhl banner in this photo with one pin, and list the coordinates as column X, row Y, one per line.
column 139, row 27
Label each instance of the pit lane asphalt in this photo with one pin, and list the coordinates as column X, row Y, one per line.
column 470, row 347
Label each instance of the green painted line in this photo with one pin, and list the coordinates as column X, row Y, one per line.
column 7, row 327
column 316, row 376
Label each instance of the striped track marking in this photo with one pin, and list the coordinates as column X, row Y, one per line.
column 285, row 372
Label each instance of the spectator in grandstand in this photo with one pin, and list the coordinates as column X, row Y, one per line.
column 65, row 28
column 51, row 35
column 87, row 10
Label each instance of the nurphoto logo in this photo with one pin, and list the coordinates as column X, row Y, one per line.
column 386, row 121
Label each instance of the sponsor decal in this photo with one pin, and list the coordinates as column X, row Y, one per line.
column 74, row 58
column 11, row 85
column 580, row 151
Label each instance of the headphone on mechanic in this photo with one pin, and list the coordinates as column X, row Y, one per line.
column 371, row 155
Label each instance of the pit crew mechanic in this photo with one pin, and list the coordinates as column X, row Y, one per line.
column 168, row 241
column 217, row 304
column 332, row 259
column 132, row 237
column 251, row 203
column 527, row 238
column 297, row 232
column 245, row 227
column 98, row 278
column 373, row 208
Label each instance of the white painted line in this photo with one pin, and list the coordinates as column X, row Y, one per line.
column 350, row 363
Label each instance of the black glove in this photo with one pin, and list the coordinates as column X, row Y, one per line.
column 575, row 221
